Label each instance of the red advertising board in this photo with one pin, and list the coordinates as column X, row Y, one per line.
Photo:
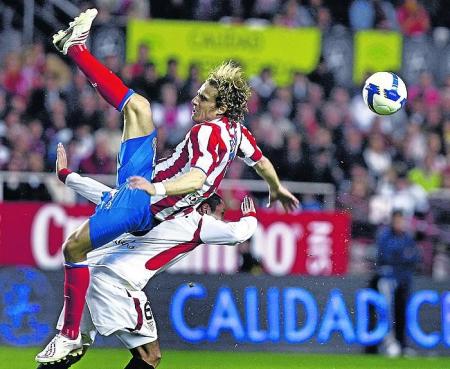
column 311, row 243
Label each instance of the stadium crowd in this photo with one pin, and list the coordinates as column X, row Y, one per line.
column 313, row 130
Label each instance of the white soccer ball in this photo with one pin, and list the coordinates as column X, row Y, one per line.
column 384, row 93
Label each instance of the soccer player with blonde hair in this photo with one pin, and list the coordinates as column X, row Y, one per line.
column 145, row 193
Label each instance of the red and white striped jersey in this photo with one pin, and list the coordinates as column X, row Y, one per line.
column 132, row 260
column 211, row 147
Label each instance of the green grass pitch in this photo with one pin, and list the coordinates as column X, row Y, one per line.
column 98, row 358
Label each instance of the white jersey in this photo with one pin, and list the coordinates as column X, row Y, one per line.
column 133, row 260
column 210, row 147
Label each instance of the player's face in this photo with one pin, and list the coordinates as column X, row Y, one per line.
column 220, row 211
column 204, row 104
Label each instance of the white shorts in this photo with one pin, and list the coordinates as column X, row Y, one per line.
column 112, row 309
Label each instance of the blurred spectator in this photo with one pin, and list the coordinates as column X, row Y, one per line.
column 425, row 90
column 324, row 169
column 397, row 260
column 356, row 202
column 413, row 19
column 294, row 15
column 414, row 145
column 100, row 161
column 87, row 111
column 171, row 75
column 299, row 87
column 323, row 76
column 147, row 84
column 143, row 59
column 364, row 14
column 192, row 84
column 349, row 153
column 398, row 193
column 265, row 8
column 426, row 175
column 275, row 124
column 295, row 161
column 168, row 115
column 263, row 85
column 324, row 18
column 376, row 157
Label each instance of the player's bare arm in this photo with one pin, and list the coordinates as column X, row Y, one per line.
column 186, row 183
column 277, row 191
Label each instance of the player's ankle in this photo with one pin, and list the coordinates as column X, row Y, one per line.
column 76, row 49
column 69, row 333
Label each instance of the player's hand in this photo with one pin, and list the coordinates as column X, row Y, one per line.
column 61, row 158
column 140, row 183
column 287, row 199
column 247, row 206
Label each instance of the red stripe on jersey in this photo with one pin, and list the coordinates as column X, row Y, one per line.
column 193, row 137
column 164, row 257
column 174, row 168
column 140, row 320
column 166, row 202
column 213, row 143
column 216, row 147
column 181, row 213
column 257, row 155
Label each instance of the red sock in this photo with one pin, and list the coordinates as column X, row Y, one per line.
column 76, row 282
column 107, row 83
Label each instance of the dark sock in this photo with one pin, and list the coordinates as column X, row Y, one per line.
column 136, row 363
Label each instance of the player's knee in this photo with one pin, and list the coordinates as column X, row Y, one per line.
column 73, row 248
column 138, row 105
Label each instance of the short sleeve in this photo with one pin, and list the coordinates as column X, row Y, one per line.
column 248, row 149
column 203, row 148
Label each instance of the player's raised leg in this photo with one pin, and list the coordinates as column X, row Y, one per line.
column 71, row 42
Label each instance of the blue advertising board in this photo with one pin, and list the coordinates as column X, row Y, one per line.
column 320, row 314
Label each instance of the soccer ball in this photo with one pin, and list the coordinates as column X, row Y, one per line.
column 384, row 93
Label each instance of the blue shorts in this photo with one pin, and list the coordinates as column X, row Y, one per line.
column 125, row 210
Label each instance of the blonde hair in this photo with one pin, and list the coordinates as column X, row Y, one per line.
column 232, row 89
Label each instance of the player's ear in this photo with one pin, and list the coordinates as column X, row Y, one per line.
column 222, row 109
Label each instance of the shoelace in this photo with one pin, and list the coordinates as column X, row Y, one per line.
column 51, row 348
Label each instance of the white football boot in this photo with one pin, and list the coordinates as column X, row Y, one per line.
column 77, row 33
column 59, row 348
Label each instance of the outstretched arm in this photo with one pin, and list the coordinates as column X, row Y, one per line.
column 218, row 232
column 85, row 186
column 277, row 191
column 252, row 156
